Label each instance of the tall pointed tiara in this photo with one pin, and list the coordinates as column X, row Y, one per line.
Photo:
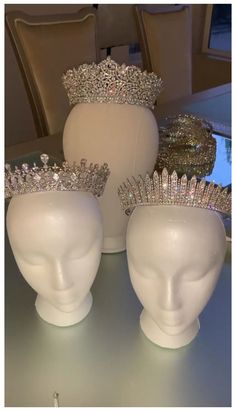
column 108, row 82
column 168, row 189
column 79, row 177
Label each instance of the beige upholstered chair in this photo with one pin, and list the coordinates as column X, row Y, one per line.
column 166, row 45
column 45, row 47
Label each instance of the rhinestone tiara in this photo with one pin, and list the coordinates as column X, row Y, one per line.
column 55, row 178
column 109, row 82
column 168, row 189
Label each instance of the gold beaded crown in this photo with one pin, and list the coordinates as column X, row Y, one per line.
column 79, row 177
column 186, row 146
column 186, row 129
column 108, row 82
column 168, row 189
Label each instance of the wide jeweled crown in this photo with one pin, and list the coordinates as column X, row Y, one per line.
column 75, row 177
column 168, row 189
column 109, row 82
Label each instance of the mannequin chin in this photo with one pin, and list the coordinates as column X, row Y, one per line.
column 56, row 238
column 63, row 315
column 175, row 255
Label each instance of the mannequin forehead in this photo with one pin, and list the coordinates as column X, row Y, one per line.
column 53, row 225
column 176, row 250
column 176, row 221
column 186, row 235
column 53, row 237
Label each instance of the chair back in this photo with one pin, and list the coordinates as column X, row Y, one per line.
column 166, row 45
column 45, row 47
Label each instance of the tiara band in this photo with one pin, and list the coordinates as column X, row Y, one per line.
column 165, row 189
column 109, row 82
column 55, row 178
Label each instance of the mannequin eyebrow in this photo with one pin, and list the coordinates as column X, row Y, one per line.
column 32, row 256
column 194, row 270
column 76, row 249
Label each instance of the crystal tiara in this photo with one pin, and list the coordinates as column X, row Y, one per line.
column 55, row 178
column 109, row 82
column 168, row 189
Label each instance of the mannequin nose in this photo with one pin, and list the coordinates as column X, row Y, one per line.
column 169, row 298
column 61, row 280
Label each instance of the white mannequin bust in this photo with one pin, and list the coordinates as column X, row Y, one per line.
column 175, row 256
column 56, row 238
column 124, row 136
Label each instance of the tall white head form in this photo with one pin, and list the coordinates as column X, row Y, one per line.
column 112, row 121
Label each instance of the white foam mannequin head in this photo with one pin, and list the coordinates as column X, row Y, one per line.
column 122, row 135
column 56, row 238
column 175, row 256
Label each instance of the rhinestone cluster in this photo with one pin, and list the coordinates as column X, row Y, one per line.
column 187, row 146
column 55, row 178
column 109, row 82
column 168, row 189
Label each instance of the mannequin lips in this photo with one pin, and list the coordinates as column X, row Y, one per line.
column 170, row 320
column 171, row 324
column 68, row 307
column 65, row 297
column 68, row 302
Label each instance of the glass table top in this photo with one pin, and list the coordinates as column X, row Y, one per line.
column 217, row 108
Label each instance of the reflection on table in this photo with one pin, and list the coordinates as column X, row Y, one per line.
column 221, row 173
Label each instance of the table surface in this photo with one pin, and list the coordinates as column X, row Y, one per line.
column 213, row 104
column 106, row 360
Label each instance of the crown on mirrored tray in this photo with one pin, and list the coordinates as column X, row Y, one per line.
column 75, row 177
column 186, row 145
column 186, row 129
column 168, row 189
column 109, row 82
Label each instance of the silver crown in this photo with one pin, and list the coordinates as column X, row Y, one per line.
column 168, row 189
column 55, row 178
column 108, row 82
